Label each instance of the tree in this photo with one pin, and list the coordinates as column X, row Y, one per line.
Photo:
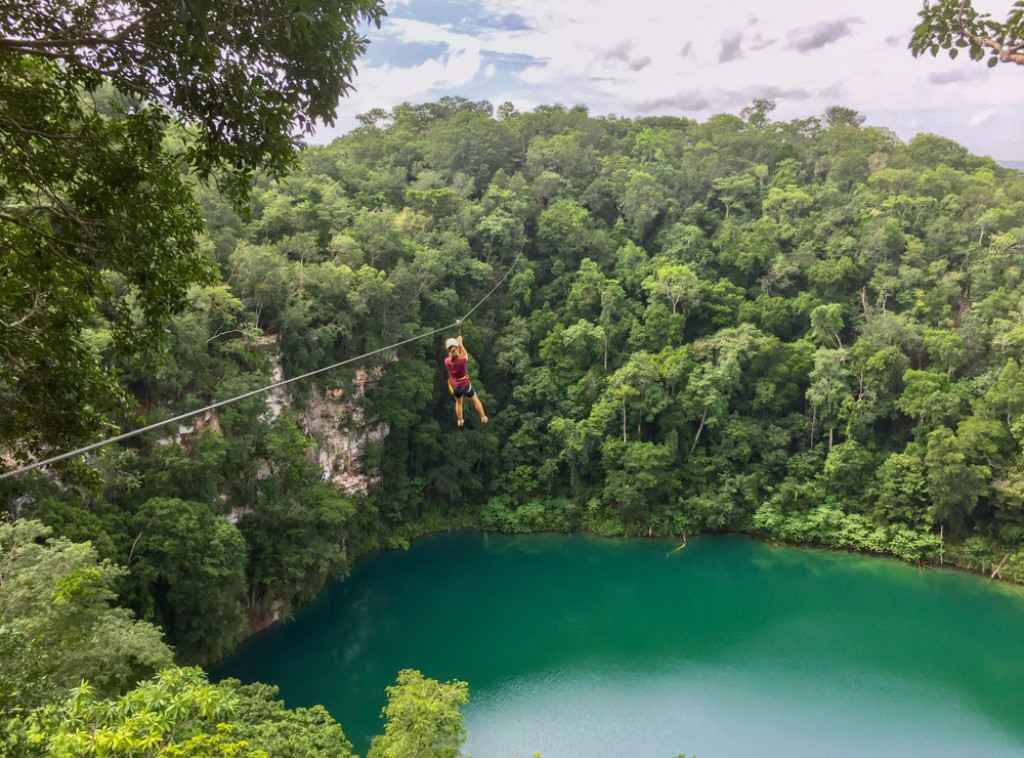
column 81, row 192
column 756, row 114
column 262, row 720
column 296, row 531
column 838, row 115
column 566, row 233
column 247, row 78
column 93, row 178
column 57, row 617
column 827, row 323
column 733, row 189
column 178, row 712
column 423, row 718
column 638, row 476
column 470, row 143
column 829, row 388
column 1007, row 394
column 955, row 25
column 677, row 284
column 954, row 485
column 188, row 569
column 640, row 202
column 927, row 396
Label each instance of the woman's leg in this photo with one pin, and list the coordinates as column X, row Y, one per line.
column 479, row 408
column 458, row 409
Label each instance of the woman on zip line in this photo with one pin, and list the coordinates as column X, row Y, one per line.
column 458, row 380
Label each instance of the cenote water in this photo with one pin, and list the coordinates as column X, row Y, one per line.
column 579, row 646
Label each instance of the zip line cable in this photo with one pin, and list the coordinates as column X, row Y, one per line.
column 275, row 385
column 495, row 287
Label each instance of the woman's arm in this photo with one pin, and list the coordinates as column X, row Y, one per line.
column 462, row 348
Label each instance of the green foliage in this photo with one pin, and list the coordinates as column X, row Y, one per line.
column 188, row 575
column 536, row 515
column 828, row 525
column 176, row 713
column 296, row 531
column 105, row 196
column 98, row 225
column 264, row 723
column 808, row 330
column 423, row 718
column 955, row 26
column 58, row 624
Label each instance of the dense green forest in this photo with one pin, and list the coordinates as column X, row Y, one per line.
column 808, row 330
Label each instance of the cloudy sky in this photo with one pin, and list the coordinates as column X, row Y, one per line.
column 690, row 58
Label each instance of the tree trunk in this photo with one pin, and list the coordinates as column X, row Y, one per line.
column 997, row 569
column 699, row 429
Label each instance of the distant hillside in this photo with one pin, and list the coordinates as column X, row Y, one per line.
column 1019, row 165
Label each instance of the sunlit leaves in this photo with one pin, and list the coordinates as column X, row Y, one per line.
column 423, row 718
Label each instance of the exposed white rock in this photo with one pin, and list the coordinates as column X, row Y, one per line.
column 238, row 513
column 277, row 398
column 335, row 421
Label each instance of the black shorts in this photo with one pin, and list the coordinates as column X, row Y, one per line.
column 463, row 391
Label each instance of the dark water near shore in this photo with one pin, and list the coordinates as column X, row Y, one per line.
column 579, row 646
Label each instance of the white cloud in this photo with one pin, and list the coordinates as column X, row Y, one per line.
column 981, row 117
column 621, row 57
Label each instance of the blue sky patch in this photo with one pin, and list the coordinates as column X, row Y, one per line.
column 386, row 51
column 460, row 16
column 511, row 22
column 509, row 63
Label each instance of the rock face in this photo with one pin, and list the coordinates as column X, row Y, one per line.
column 278, row 398
column 336, row 423
column 332, row 419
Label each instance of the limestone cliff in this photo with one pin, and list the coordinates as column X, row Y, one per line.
column 335, row 421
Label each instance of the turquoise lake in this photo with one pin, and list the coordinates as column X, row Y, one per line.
column 577, row 646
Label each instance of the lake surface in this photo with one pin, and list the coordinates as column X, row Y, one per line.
column 577, row 646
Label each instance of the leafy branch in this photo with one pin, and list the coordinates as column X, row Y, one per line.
column 955, row 25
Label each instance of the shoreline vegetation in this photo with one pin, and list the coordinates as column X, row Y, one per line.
column 822, row 529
